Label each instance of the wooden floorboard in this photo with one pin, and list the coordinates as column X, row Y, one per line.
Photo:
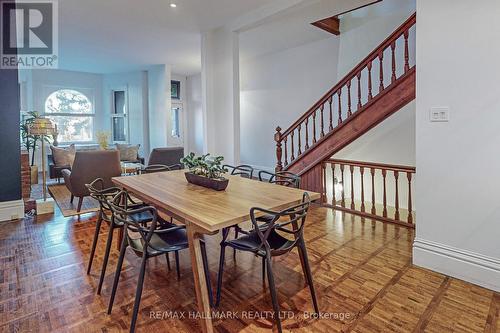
column 362, row 272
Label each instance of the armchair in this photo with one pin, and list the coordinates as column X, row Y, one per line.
column 88, row 166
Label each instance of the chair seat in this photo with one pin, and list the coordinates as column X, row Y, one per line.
column 142, row 217
column 162, row 242
column 251, row 242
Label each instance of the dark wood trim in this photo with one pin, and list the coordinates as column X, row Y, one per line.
column 392, row 167
column 329, row 24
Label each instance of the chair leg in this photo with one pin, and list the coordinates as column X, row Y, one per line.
column 106, row 257
column 264, row 269
column 207, row 272
column 72, row 197
column 307, row 273
column 236, row 232
column 221, row 272
column 80, row 201
column 168, row 260
column 274, row 295
column 177, row 265
column 94, row 243
column 138, row 293
column 123, row 247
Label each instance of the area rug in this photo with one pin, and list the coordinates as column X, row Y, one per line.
column 62, row 197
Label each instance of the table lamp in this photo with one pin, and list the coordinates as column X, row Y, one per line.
column 42, row 127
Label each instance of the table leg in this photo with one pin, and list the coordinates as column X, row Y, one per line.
column 200, row 283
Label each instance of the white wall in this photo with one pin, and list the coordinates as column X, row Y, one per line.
column 159, row 103
column 194, row 114
column 276, row 89
column 458, row 219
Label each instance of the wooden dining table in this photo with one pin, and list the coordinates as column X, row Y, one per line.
column 205, row 212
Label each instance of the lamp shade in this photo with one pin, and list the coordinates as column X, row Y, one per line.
column 41, row 126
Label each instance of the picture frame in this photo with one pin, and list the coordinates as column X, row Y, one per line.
column 175, row 89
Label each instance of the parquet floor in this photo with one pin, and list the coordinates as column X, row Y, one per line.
column 362, row 271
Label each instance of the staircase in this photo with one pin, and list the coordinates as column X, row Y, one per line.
column 380, row 85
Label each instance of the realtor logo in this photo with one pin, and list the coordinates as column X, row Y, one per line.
column 29, row 34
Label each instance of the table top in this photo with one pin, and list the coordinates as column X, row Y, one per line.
column 211, row 210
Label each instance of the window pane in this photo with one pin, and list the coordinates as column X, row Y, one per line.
column 119, row 98
column 119, row 129
column 74, row 129
column 175, row 122
column 67, row 101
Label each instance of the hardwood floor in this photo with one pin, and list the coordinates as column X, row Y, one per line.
column 362, row 272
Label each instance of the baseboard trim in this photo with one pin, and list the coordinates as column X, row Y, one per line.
column 11, row 210
column 462, row 264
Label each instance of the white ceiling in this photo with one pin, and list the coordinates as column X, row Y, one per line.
column 105, row 36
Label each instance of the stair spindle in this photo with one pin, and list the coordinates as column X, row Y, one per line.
column 362, row 171
column 410, row 216
column 323, row 182
column 292, row 148
column 374, row 210
column 340, row 106
column 343, row 187
column 334, row 201
column 314, row 127
column 381, row 70
column 359, row 90
column 330, row 100
column 396, row 214
column 370, row 95
column 286, row 150
column 322, row 122
column 407, row 62
column 352, row 187
column 307, row 133
column 299, row 142
column 384, row 174
column 349, row 111
column 393, row 48
column 277, row 138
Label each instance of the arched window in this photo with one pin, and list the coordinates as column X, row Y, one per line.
column 73, row 114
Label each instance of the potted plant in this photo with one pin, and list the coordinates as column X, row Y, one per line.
column 205, row 171
column 30, row 142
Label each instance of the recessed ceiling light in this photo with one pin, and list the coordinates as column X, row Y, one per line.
column 173, row 5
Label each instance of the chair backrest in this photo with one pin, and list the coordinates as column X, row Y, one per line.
column 242, row 170
column 166, row 156
column 90, row 165
column 284, row 178
column 123, row 214
column 290, row 221
column 152, row 168
column 101, row 194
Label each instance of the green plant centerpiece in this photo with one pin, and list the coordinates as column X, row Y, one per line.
column 205, row 171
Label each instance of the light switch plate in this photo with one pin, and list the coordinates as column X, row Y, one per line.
column 440, row 114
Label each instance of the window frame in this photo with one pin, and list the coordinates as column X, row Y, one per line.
column 125, row 114
column 89, row 94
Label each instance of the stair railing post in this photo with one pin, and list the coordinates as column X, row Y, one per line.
column 277, row 138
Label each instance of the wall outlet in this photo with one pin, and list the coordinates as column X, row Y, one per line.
column 440, row 114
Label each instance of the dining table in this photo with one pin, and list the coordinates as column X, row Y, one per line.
column 205, row 211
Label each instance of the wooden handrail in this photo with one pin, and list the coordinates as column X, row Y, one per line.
column 332, row 99
column 388, row 167
column 353, row 73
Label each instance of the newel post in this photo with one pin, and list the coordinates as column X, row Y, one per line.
column 277, row 138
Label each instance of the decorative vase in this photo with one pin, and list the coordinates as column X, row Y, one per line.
column 213, row 183
column 34, row 174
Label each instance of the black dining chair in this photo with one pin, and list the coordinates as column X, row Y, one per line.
column 270, row 242
column 242, row 170
column 147, row 240
column 160, row 168
column 284, row 178
column 103, row 196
